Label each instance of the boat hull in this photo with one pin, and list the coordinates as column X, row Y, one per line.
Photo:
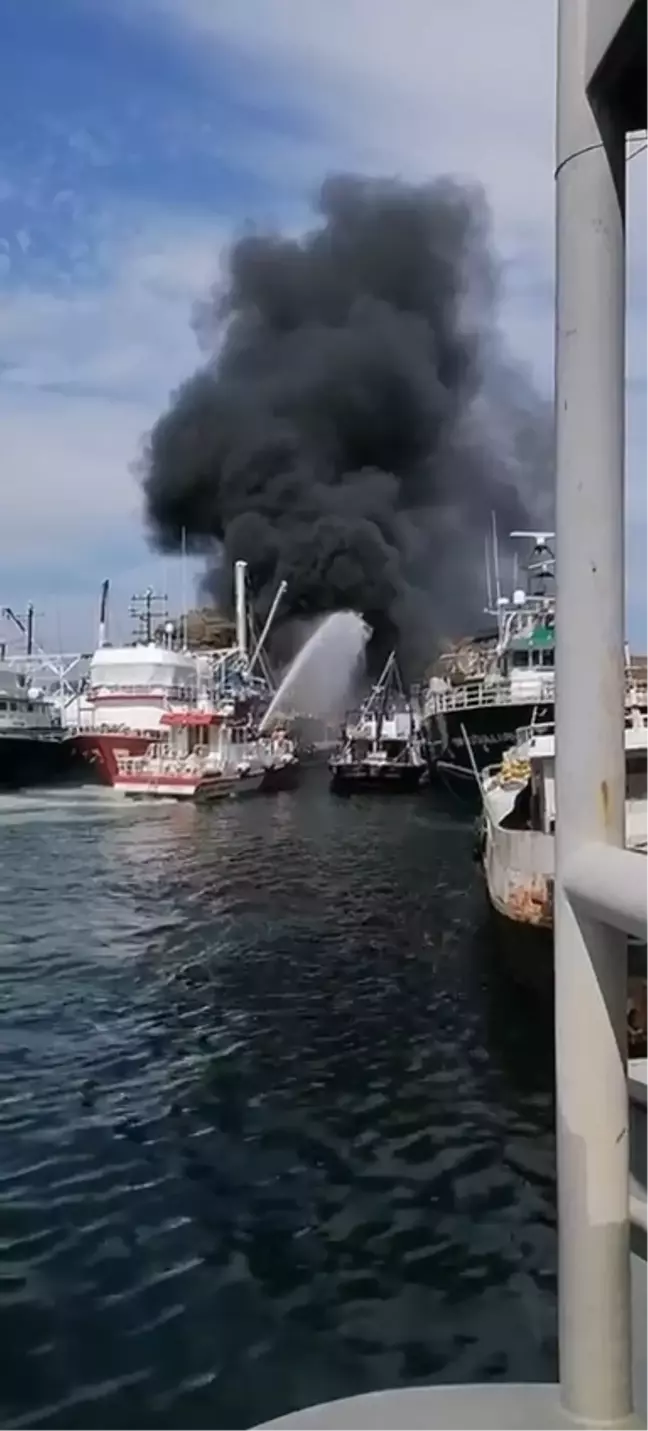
column 98, row 752
column 28, row 760
column 491, row 731
column 526, row 950
column 346, row 779
column 284, row 776
column 168, row 785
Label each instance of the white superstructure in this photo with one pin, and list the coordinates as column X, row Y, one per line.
column 24, row 711
column 131, row 688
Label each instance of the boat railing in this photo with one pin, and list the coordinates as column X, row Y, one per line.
column 161, row 764
column 499, row 691
column 506, row 691
column 188, row 695
column 526, row 733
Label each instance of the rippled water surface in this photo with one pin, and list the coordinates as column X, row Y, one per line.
column 271, row 1130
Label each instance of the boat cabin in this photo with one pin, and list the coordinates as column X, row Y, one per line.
column 539, row 748
column 23, row 708
column 527, row 661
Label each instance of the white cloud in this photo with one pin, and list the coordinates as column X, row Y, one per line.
column 85, row 373
column 415, row 89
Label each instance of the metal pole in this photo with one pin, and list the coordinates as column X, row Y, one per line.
column 183, row 582
column 278, row 596
column 240, row 570
column 590, row 960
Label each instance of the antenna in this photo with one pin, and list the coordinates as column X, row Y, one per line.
column 145, row 609
column 489, row 588
column 540, row 538
column 183, row 586
column 498, row 589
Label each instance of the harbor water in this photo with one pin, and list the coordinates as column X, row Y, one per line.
column 272, row 1128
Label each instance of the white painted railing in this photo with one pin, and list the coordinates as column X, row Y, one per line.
column 159, row 692
column 472, row 695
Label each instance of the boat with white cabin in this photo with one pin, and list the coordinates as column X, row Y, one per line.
column 382, row 747
column 154, row 693
column 200, row 759
column 35, row 748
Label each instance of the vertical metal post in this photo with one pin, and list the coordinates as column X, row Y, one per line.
column 240, row 570
column 590, row 960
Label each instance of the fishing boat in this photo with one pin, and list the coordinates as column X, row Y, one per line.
column 383, row 746
column 135, row 694
column 496, row 686
column 200, row 758
column 516, row 849
column 493, row 687
column 281, row 759
column 34, row 746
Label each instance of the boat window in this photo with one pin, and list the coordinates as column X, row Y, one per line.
column 3, row 705
column 13, row 706
column 30, row 706
column 636, row 764
column 535, row 658
column 520, row 658
column 548, row 657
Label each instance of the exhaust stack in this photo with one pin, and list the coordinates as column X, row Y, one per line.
column 240, row 570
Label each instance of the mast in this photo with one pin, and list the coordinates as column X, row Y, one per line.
column 103, row 608
column 183, row 581
column 496, row 566
column 489, row 587
column 154, row 609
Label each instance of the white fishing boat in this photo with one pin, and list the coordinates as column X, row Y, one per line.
column 517, row 853
column 205, row 750
column 201, row 760
column 136, row 695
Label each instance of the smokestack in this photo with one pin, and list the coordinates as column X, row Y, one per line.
column 103, row 609
column 240, row 570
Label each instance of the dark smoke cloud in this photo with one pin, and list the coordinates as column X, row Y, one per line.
column 356, row 421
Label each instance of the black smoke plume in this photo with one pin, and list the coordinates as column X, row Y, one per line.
column 356, row 421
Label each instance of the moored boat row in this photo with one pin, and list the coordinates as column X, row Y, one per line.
column 150, row 718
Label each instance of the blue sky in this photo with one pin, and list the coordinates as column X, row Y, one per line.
column 138, row 137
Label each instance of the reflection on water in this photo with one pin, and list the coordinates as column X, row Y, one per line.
column 271, row 1130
